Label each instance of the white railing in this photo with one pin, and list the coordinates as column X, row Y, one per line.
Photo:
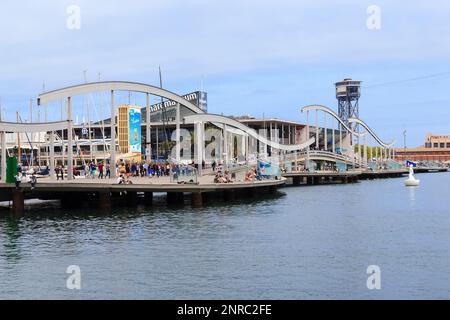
column 316, row 153
column 182, row 173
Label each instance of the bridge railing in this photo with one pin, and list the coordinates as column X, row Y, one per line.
column 313, row 153
column 342, row 161
column 182, row 173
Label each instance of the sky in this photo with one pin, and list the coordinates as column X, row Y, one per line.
column 259, row 58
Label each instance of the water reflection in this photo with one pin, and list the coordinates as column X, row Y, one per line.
column 10, row 228
column 302, row 243
column 412, row 196
column 73, row 232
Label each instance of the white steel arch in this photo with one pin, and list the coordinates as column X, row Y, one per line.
column 332, row 113
column 362, row 123
column 113, row 86
column 214, row 118
column 30, row 127
column 33, row 127
column 60, row 94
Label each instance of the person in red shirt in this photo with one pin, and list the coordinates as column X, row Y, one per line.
column 100, row 170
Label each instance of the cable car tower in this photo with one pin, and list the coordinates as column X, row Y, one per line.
column 348, row 93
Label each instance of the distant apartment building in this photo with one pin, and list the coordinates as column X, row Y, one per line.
column 433, row 141
column 435, row 148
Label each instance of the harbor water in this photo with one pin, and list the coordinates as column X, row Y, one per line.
column 312, row 242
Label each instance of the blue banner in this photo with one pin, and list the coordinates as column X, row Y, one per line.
column 135, row 130
column 266, row 169
column 410, row 163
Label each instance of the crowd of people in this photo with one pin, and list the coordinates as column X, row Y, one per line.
column 223, row 177
column 145, row 169
column 125, row 170
column 101, row 170
column 251, row 175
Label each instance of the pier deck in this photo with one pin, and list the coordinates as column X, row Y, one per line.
column 383, row 174
column 322, row 174
column 69, row 191
column 322, row 177
column 429, row 169
column 162, row 184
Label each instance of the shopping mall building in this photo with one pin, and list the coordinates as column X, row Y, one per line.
column 163, row 126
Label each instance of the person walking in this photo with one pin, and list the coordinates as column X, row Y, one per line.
column 127, row 170
column 108, row 171
column 133, row 170
column 18, row 180
column 100, row 170
column 145, row 168
column 33, row 181
column 87, row 170
column 57, row 173
column 92, row 168
column 168, row 169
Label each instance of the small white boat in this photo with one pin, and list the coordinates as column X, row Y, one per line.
column 412, row 181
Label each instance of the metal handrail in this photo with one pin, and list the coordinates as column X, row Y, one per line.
column 186, row 171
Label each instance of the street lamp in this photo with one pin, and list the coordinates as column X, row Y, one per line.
column 404, row 144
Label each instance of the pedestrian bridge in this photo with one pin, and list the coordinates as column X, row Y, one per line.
column 317, row 155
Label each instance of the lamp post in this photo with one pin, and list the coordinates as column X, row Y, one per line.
column 404, row 145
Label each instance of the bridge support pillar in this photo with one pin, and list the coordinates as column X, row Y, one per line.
column 273, row 190
column 229, row 195
column 132, row 198
column 197, row 199
column 148, row 198
column 18, row 200
column 69, row 140
column 113, row 162
column 251, row 192
column 296, row 181
column 104, row 200
column 52, row 155
column 175, row 198
column 69, row 200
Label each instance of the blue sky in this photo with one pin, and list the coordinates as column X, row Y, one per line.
column 253, row 57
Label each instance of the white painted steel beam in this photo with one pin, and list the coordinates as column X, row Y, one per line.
column 61, row 94
column 252, row 133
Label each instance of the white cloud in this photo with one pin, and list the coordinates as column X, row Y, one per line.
column 211, row 37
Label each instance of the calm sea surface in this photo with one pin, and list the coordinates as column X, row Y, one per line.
column 305, row 243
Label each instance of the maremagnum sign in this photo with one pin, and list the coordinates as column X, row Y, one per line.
column 198, row 98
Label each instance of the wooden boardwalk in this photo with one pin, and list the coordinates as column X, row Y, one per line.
column 161, row 184
column 73, row 193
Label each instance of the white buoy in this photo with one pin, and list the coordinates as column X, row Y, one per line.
column 412, row 181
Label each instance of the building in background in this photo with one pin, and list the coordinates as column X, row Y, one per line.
column 168, row 113
column 433, row 141
column 129, row 130
column 435, row 148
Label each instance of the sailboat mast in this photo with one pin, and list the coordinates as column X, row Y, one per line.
column 18, row 140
